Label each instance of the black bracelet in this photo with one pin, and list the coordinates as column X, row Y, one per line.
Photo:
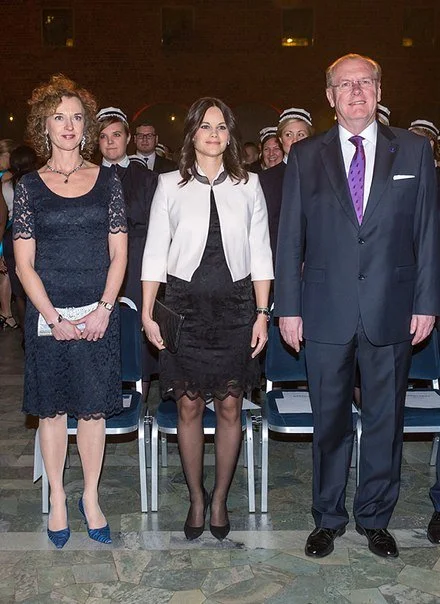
column 263, row 311
column 52, row 325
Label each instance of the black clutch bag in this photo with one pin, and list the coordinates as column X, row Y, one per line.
column 170, row 324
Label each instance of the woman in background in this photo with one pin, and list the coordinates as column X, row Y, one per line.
column 432, row 133
column 294, row 125
column 23, row 160
column 6, row 199
column 138, row 185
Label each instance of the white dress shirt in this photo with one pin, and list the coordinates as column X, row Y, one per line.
column 149, row 159
column 348, row 150
column 124, row 162
column 179, row 225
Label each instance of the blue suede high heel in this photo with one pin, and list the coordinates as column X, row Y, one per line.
column 59, row 538
column 102, row 535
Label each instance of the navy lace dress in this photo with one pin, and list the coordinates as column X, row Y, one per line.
column 214, row 354
column 76, row 377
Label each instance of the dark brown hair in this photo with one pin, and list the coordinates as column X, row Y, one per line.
column 44, row 101
column 232, row 156
column 23, row 160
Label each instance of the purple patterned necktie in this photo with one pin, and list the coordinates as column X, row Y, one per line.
column 356, row 176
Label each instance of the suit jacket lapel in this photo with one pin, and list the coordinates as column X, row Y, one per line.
column 386, row 151
column 331, row 154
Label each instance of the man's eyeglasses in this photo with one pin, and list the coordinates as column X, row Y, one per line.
column 147, row 137
column 364, row 84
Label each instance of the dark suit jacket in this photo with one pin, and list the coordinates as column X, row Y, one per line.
column 272, row 184
column 138, row 184
column 384, row 270
column 162, row 165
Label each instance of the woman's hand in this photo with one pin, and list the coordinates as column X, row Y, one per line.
column 66, row 330
column 152, row 331
column 96, row 323
column 259, row 334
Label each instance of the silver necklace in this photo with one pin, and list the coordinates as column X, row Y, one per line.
column 66, row 174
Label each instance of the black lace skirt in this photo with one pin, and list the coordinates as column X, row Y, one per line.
column 214, row 355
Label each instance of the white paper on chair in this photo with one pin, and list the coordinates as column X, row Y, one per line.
column 294, row 402
column 246, row 405
column 38, row 460
column 422, row 399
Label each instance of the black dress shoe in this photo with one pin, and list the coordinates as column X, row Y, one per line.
column 220, row 532
column 434, row 528
column 380, row 542
column 193, row 532
column 320, row 541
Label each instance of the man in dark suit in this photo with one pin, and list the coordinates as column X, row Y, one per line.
column 358, row 277
column 146, row 139
column 271, row 181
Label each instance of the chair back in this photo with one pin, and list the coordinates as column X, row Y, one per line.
column 283, row 364
column 131, row 355
column 425, row 360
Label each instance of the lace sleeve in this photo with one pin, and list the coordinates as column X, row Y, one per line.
column 116, row 210
column 23, row 215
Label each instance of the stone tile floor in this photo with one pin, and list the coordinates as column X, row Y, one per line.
column 150, row 561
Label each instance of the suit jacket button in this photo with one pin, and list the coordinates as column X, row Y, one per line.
column 361, row 277
column 361, row 241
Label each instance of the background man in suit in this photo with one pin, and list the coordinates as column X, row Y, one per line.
column 146, row 140
column 359, row 210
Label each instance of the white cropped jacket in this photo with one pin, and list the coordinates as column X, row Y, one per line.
column 179, row 224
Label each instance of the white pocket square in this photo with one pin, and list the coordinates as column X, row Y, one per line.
column 403, row 176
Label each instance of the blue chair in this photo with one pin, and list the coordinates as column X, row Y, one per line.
column 164, row 422
column 285, row 366
column 132, row 417
column 422, row 404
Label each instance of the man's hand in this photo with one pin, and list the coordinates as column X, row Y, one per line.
column 421, row 327
column 292, row 331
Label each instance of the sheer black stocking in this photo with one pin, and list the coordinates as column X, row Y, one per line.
column 191, row 448
column 228, row 437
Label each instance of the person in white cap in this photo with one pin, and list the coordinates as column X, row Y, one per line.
column 383, row 114
column 431, row 132
column 271, row 152
column 294, row 125
column 138, row 184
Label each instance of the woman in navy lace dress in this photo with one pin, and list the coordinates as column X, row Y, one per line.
column 208, row 239
column 70, row 246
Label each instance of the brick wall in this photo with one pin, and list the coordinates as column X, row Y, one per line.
column 234, row 53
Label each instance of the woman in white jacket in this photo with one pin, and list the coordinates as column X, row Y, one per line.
column 208, row 240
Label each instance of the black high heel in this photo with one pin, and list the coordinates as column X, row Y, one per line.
column 220, row 532
column 193, row 532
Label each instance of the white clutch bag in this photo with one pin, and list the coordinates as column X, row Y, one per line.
column 71, row 313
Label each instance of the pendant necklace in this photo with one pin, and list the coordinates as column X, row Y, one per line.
column 66, row 174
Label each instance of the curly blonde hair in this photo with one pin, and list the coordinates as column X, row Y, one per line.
column 43, row 103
